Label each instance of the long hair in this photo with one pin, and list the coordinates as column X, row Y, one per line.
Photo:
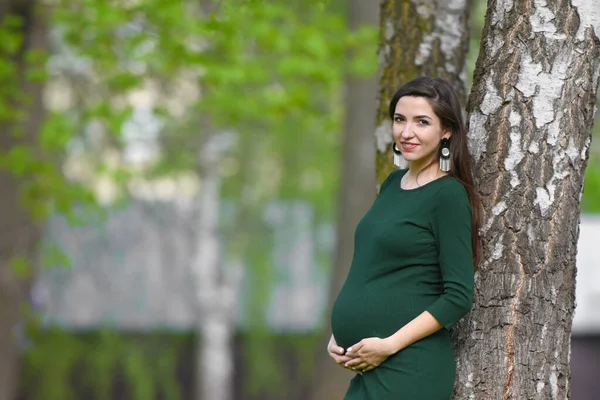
column 444, row 101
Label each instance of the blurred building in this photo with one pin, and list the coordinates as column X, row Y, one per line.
column 585, row 340
column 132, row 273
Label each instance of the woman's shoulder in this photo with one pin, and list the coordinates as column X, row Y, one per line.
column 391, row 176
column 450, row 203
column 451, row 189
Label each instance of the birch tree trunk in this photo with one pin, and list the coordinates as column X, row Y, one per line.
column 531, row 114
column 217, row 286
column 19, row 231
column 418, row 37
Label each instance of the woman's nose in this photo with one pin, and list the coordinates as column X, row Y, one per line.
column 406, row 130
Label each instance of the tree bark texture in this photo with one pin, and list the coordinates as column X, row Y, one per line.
column 356, row 194
column 19, row 231
column 531, row 115
column 418, row 37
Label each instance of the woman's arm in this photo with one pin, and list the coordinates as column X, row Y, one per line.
column 417, row 329
column 371, row 352
column 450, row 221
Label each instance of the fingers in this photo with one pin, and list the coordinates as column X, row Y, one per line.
column 332, row 340
column 362, row 366
column 340, row 359
column 332, row 346
column 335, row 349
column 335, row 352
column 354, row 362
column 355, row 348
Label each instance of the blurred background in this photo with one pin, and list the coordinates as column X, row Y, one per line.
column 194, row 159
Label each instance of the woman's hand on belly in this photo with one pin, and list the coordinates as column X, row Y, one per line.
column 369, row 353
column 338, row 354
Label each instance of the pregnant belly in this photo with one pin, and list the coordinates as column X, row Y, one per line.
column 361, row 313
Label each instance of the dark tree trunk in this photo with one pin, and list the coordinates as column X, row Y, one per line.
column 418, row 37
column 357, row 193
column 531, row 114
column 19, row 231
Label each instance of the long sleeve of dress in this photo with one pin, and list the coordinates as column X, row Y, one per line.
column 451, row 225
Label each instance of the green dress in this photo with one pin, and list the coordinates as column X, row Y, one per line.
column 412, row 253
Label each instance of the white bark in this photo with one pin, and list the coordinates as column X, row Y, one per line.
column 531, row 115
column 216, row 290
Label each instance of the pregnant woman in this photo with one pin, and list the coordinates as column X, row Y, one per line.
column 411, row 277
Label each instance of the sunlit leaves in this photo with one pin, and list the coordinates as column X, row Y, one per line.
column 56, row 133
column 11, row 40
column 270, row 71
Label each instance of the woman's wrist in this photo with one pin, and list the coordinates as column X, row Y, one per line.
column 395, row 343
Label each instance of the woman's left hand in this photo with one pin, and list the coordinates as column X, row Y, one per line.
column 369, row 353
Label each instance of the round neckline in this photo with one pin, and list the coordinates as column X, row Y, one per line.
column 399, row 185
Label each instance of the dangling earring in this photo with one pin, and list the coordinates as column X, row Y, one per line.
column 399, row 161
column 445, row 155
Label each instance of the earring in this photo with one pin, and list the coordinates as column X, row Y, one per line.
column 445, row 155
column 399, row 161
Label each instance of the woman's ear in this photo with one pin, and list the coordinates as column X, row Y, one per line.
column 447, row 135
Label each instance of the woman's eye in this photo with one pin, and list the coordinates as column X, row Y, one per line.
column 423, row 122
column 398, row 119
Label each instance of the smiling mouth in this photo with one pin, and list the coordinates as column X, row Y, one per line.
column 408, row 146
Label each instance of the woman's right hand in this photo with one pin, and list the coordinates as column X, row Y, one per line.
column 338, row 354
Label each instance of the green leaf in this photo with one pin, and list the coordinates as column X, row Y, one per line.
column 17, row 160
column 21, row 267
column 53, row 256
column 57, row 132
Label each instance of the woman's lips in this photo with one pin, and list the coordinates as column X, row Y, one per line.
column 408, row 146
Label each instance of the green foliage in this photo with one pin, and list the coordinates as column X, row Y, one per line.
column 65, row 365
column 270, row 72
column 258, row 345
column 21, row 267
column 9, row 46
column 43, row 188
column 590, row 201
column 53, row 255
column 290, row 362
column 478, row 10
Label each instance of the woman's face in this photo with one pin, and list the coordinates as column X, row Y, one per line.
column 417, row 131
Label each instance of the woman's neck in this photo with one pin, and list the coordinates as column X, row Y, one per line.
column 423, row 170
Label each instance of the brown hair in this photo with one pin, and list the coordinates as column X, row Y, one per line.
column 443, row 99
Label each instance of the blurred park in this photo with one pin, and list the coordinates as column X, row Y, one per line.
column 182, row 161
